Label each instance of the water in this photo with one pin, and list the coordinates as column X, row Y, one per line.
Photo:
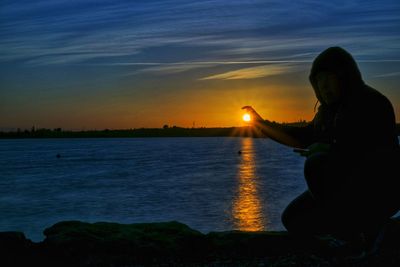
column 202, row 182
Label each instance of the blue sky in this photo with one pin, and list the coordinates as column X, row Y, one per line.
column 126, row 64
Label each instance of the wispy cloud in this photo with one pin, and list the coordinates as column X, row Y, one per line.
column 206, row 63
column 390, row 74
column 171, row 68
column 252, row 72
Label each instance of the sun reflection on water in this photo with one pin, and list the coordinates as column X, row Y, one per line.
column 247, row 209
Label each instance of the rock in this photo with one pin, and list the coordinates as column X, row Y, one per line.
column 255, row 244
column 10, row 240
column 75, row 243
column 15, row 249
column 104, row 243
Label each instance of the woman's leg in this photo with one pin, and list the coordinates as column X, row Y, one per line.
column 304, row 216
column 336, row 206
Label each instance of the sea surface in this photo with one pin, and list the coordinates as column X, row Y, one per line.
column 210, row 184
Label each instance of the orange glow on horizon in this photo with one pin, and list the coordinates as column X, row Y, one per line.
column 212, row 107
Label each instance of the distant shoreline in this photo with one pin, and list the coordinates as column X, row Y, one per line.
column 245, row 131
column 135, row 133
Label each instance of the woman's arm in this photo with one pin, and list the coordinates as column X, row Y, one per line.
column 293, row 136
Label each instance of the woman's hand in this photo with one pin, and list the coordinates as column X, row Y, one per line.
column 254, row 115
column 314, row 148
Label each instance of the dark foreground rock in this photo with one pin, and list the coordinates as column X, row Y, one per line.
column 75, row 243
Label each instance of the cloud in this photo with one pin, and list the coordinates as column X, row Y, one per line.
column 252, row 72
column 162, row 68
column 391, row 74
column 168, row 68
column 61, row 31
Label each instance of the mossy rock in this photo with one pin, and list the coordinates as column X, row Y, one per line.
column 104, row 242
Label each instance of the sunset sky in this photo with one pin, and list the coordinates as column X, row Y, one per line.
column 127, row 64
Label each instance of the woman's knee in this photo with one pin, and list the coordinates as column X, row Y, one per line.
column 286, row 217
column 298, row 213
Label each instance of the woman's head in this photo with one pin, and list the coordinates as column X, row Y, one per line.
column 334, row 74
column 329, row 87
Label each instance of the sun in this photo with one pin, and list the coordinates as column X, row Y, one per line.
column 247, row 117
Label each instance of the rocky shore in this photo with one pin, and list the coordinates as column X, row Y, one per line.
column 75, row 243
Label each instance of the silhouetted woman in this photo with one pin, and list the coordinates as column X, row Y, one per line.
column 352, row 166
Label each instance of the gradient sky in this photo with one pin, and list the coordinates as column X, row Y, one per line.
column 100, row 64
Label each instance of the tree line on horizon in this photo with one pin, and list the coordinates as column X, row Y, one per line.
column 174, row 131
column 165, row 131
